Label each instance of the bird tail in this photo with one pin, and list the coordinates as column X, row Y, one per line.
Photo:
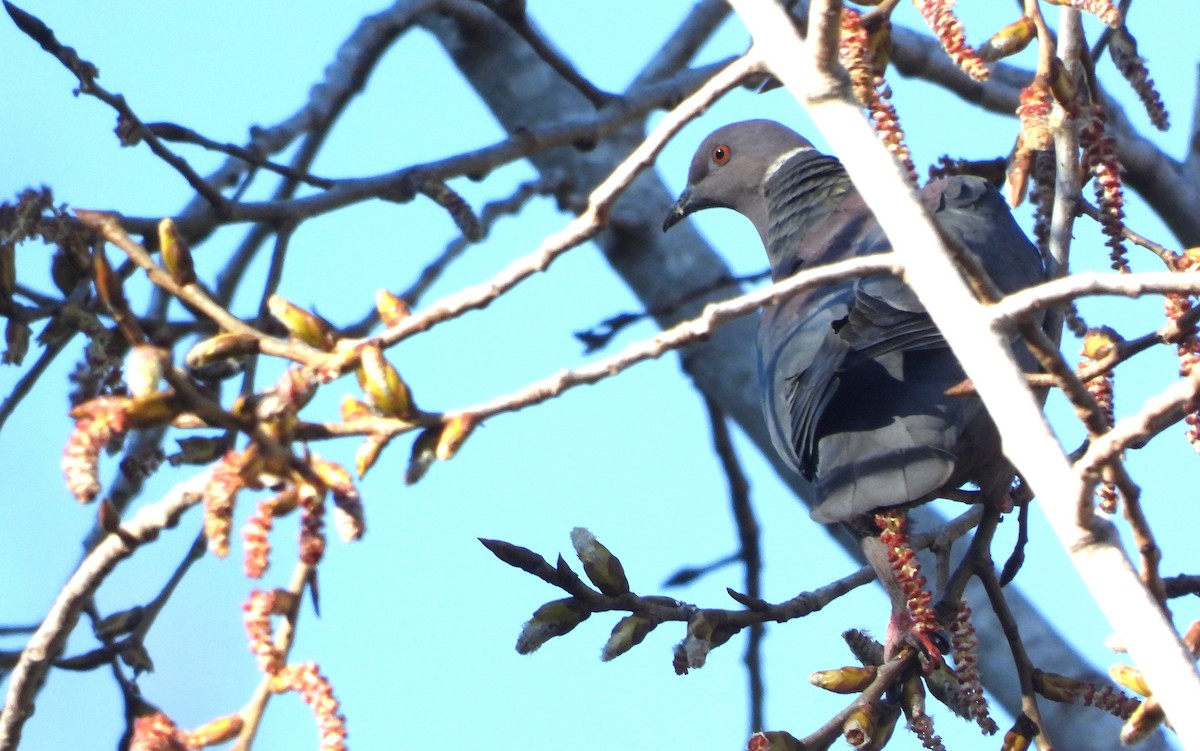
column 852, row 482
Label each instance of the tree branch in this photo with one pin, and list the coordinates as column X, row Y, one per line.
column 51, row 636
column 1095, row 552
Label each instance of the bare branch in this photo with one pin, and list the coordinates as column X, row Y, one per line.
column 130, row 128
column 1145, row 423
column 1150, row 638
column 586, row 225
column 285, row 637
column 1085, row 283
column 749, row 553
column 50, row 638
column 682, row 334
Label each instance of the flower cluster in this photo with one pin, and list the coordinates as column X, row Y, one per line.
column 863, row 53
column 1034, row 138
column 220, row 495
column 1060, row 688
column 1124, row 52
column 1100, row 160
column 966, row 667
column 156, row 732
column 939, row 15
column 305, row 679
column 317, row 693
column 912, row 698
column 1041, row 194
column 894, row 535
column 256, row 547
column 98, row 422
column 1188, row 346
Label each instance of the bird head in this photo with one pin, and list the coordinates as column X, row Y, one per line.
column 730, row 169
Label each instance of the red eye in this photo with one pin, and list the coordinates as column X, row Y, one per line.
column 721, row 154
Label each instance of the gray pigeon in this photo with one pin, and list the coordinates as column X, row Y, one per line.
column 853, row 376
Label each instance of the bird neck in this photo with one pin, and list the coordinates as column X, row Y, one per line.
column 801, row 193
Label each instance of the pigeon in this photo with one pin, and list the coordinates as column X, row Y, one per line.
column 853, row 376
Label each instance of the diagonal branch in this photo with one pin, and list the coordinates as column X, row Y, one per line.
column 51, row 636
column 1095, row 551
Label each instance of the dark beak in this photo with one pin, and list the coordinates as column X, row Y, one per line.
column 680, row 210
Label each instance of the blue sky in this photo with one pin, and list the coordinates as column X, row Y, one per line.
column 418, row 620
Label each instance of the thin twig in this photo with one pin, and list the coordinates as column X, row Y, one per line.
column 285, row 637
column 1167, row 256
column 30, row 377
column 1139, row 525
column 757, row 611
column 551, row 56
column 1182, row 585
column 1155, row 413
column 488, row 216
column 681, row 334
column 598, row 336
column 181, row 134
column 889, row 673
column 1106, row 34
column 48, row 641
column 588, row 224
column 750, row 554
column 130, row 128
column 1085, row 283
column 1025, row 669
column 193, row 294
column 403, row 184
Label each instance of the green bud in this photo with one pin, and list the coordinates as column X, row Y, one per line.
column 627, row 634
column 553, row 619
column 600, row 565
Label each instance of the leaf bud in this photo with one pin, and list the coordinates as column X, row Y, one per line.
column 601, row 566
column 774, row 740
column 354, row 409
column 627, row 634
column 1009, row 41
column 392, row 309
column 306, row 326
column 423, row 455
column 382, row 384
column 219, row 730
column 143, row 369
column 1129, row 677
column 847, row 680
column 368, row 453
column 108, row 283
column 1144, row 720
column 1020, row 735
column 156, row 408
column 1098, row 342
column 859, row 726
column 177, row 258
column 553, row 619
column 198, row 450
column 221, row 356
column 453, row 434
